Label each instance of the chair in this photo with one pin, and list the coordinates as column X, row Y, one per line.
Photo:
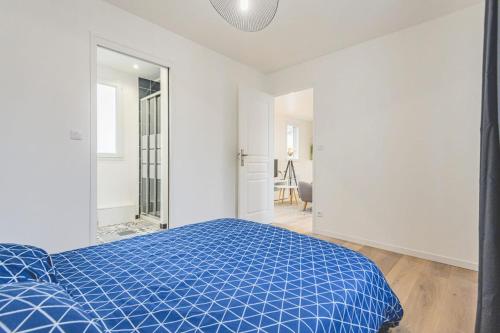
column 305, row 193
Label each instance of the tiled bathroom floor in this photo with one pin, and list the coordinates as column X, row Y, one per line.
column 120, row 231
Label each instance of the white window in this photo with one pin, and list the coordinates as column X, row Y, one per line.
column 292, row 141
column 107, row 145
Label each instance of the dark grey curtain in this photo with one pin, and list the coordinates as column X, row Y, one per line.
column 488, row 310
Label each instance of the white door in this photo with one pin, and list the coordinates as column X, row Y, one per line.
column 255, row 162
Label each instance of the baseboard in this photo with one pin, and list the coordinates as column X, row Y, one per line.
column 402, row 250
column 116, row 215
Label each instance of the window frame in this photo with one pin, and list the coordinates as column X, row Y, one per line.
column 118, row 123
column 296, row 141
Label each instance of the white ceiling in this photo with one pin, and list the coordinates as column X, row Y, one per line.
column 302, row 29
column 298, row 105
column 127, row 64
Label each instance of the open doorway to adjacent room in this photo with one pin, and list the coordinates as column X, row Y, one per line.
column 293, row 160
column 131, row 100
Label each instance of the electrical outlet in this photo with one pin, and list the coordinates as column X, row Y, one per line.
column 319, row 213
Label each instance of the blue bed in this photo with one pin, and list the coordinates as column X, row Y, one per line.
column 227, row 275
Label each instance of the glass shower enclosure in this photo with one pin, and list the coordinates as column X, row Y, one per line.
column 150, row 156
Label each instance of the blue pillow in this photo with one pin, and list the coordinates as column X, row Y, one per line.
column 42, row 307
column 19, row 263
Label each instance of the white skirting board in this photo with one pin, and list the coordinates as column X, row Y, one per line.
column 116, row 215
column 402, row 250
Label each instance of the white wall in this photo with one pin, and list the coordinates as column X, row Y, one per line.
column 45, row 92
column 118, row 178
column 398, row 119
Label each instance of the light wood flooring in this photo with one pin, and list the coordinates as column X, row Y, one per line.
column 293, row 216
column 436, row 298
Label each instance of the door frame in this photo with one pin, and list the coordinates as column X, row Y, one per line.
column 314, row 142
column 97, row 41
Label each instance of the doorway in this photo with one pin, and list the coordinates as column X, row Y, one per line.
column 275, row 158
column 293, row 160
column 131, row 145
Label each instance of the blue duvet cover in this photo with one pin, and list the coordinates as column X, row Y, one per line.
column 228, row 276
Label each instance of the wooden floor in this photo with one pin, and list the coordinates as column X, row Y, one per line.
column 293, row 216
column 436, row 298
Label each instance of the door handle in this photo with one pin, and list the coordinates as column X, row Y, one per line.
column 242, row 156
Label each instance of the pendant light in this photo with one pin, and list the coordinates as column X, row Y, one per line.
column 247, row 15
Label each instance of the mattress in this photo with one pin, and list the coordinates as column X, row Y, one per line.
column 228, row 275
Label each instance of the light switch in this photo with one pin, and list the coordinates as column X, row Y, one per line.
column 75, row 135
